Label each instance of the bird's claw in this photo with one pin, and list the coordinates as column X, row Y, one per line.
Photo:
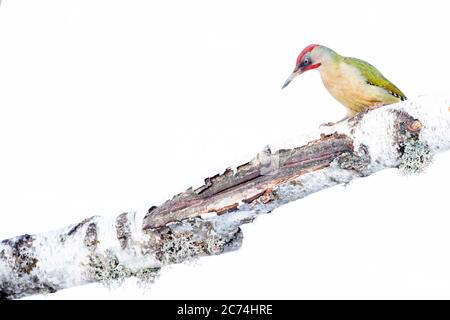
column 375, row 106
column 327, row 124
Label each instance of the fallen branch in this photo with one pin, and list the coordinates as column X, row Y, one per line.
column 206, row 220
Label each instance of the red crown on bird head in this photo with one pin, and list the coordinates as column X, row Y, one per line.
column 305, row 51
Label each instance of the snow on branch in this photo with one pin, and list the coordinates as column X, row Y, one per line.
column 207, row 220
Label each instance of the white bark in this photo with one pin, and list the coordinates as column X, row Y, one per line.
column 206, row 221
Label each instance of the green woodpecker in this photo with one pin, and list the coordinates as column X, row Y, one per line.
column 355, row 83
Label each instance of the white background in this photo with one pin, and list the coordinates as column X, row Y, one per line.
column 111, row 106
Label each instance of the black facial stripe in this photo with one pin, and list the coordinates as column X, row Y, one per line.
column 305, row 62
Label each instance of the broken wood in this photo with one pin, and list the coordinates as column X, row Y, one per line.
column 206, row 220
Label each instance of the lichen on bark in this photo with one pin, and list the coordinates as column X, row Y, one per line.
column 206, row 220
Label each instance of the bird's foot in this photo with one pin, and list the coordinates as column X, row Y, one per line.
column 327, row 124
column 358, row 116
column 375, row 106
column 330, row 124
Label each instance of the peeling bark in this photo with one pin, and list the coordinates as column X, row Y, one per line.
column 206, row 220
column 223, row 192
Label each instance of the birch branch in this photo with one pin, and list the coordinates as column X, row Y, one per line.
column 206, row 220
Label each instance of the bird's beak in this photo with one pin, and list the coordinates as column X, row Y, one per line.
column 295, row 73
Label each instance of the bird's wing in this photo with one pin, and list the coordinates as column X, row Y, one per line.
column 374, row 77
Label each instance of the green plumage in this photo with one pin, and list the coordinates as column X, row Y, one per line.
column 374, row 77
column 355, row 83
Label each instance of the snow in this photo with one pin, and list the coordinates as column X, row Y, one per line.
column 440, row 122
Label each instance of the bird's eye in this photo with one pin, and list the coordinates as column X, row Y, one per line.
column 306, row 61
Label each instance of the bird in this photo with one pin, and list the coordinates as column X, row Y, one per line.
column 355, row 83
